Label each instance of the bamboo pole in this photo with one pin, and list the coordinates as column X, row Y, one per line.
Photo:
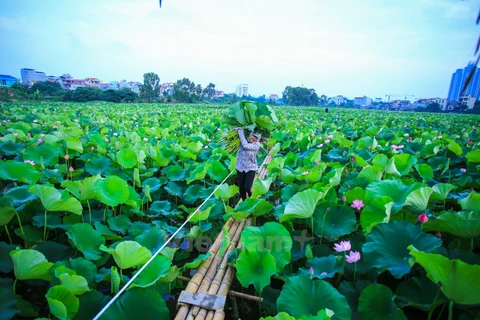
column 232, row 293
column 214, row 285
column 202, row 280
column 197, row 278
column 226, row 283
column 206, row 286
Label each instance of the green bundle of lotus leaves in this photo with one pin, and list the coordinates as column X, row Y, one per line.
column 253, row 117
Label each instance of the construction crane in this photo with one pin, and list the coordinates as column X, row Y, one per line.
column 399, row 95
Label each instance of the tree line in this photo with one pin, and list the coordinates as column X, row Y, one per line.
column 184, row 91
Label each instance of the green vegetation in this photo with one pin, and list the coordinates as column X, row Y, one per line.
column 362, row 214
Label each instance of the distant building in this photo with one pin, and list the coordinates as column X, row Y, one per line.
column 77, row 83
column 92, row 82
column 104, row 86
column 218, row 94
column 468, row 101
column 338, row 100
column 166, row 89
column 378, row 99
column 30, row 76
column 362, row 101
column 242, row 90
column 458, row 81
column 7, row 81
column 113, row 85
column 273, row 97
column 65, row 80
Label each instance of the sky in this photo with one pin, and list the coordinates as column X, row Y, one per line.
column 348, row 47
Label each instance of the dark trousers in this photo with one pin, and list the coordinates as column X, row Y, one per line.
column 245, row 182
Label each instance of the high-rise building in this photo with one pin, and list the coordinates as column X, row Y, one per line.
column 458, row 81
column 242, row 90
column 30, row 76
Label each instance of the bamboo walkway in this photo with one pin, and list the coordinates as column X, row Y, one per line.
column 214, row 277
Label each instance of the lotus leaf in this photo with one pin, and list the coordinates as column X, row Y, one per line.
column 112, row 190
column 18, row 171
column 30, row 264
column 63, row 303
column 386, row 246
column 87, row 240
column 376, row 302
column 332, row 222
column 459, row 280
column 272, row 237
column 128, row 254
column 461, row 224
column 255, row 267
column 302, row 296
column 157, row 269
column 419, row 293
column 301, row 205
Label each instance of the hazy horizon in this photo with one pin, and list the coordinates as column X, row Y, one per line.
column 350, row 48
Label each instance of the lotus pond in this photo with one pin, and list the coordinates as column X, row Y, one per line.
column 362, row 215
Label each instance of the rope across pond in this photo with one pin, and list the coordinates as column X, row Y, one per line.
column 158, row 251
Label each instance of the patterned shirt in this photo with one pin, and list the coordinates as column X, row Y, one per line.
column 247, row 154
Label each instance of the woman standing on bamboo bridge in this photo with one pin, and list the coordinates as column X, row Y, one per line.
column 247, row 162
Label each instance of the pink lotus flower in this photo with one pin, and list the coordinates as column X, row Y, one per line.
column 439, row 137
column 115, row 134
column 330, row 136
column 352, row 257
column 353, row 159
column 328, row 209
column 422, row 218
column 35, row 121
column 344, row 198
column 30, row 162
column 400, row 147
column 67, row 157
column 70, row 169
column 54, row 127
column 208, row 140
column 342, row 246
column 438, row 235
column 106, row 140
column 327, row 141
column 406, row 135
column 317, row 163
column 145, row 139
column 206, row 147
column 357, row 204
column 463, row 170
column 92, row 148
column 40, row 141
column 320, row 145
column 394, row 147
column 76, row 120
column 311, row 271
column 470, row 142
column 346, row 171
column 304, row 173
